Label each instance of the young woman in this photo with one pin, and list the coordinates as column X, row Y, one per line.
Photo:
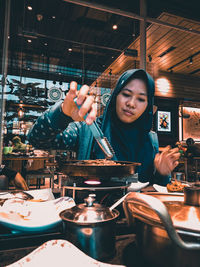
column 126, row 122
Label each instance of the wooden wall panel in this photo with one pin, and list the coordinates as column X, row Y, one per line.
column 181, row 86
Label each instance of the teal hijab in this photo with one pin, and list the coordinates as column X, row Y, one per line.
column 131, row 142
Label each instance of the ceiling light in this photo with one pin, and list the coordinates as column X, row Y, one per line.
column 20, row 110
column 170, row 49
column 29, row 7
column 29, row 40
column 53, row 17
column 70, row 49
column 150, row 58
column 184, row 60
column 115, row 27
column 195, row 71
column 45, row 44
column 131, row 52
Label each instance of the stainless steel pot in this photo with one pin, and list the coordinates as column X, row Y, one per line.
column 91, row 227
column 167, row 228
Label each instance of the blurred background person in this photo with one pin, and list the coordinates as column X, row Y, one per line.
column 14, row 177
column 193, row 150
column 17, row 144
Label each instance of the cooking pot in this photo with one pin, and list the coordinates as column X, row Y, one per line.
column 167, row 227
column 91, row 227
column 83, row 168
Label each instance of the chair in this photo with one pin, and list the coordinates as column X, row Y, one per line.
column 4, row 184
column 42, row 173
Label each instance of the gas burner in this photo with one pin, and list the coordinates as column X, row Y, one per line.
column 93, row 181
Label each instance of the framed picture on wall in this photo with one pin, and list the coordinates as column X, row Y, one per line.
column 190, row 120
column 164, row 121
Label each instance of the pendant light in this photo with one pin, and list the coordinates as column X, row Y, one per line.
column 20, row 110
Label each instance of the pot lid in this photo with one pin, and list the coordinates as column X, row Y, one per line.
column 89, row 212
column 184, row 216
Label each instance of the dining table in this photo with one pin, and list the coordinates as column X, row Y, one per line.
column 15, row 245
column 26, row 162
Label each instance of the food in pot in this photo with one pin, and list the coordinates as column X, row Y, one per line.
column 176, row 186
column 98, row 162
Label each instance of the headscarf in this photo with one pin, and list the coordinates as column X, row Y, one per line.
column 130, row 141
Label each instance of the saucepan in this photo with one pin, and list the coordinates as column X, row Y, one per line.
column 91, row 227
column 167, row 227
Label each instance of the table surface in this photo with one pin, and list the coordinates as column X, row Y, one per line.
column 126, row 252
column 15, row 247
column 26, row 157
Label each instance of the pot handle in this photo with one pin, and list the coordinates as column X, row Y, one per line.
column 161, row 210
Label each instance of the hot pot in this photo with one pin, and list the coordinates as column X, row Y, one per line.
column 91, row 227
column 83, row 168
column 167, row 227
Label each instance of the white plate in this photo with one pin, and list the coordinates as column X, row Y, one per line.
column 59, row 253
column 38, row 194
column 134, row 187
column 27, row 216
column 163, row 189
column 44, row 194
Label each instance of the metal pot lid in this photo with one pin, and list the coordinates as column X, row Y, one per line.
column 89, row 212
column 184, row 217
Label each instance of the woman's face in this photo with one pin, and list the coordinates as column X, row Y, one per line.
column 132, row 101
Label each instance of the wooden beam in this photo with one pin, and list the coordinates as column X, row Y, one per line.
column 131, row 15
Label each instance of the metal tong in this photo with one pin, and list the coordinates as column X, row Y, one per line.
column 100, row 138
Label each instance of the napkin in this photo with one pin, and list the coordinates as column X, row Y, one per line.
column 134, row 187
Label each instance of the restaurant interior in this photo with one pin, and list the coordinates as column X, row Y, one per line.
column 44, row 45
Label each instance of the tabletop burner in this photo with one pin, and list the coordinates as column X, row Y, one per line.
column 94, row 181
column 107, row 191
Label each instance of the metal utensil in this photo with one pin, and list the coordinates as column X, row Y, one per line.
column 118, row 202
column 100, row 138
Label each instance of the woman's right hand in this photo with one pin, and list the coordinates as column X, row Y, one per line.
column 84, row 100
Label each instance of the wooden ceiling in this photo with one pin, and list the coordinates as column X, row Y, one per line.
column 184, row 57
column 95, row 46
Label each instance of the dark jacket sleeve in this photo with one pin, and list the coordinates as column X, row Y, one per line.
column 53, row 130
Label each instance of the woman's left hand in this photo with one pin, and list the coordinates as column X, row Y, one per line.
column 166, row 161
